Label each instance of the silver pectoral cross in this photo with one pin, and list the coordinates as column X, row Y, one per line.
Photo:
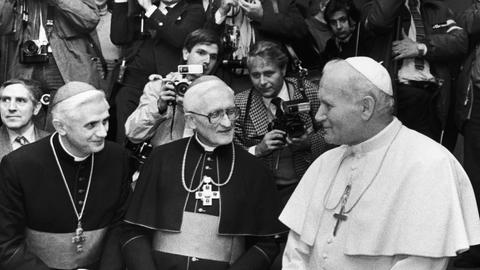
column 79, row 238
column 207, row 195
column 341, row 216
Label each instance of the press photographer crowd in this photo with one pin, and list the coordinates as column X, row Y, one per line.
column 239, row 134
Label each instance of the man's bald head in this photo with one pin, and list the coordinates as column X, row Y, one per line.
column 202, row 90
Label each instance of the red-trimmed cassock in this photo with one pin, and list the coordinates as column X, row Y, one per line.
column 170, row 227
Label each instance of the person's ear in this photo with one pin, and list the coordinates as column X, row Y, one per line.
column 190, row 122
column 36, row 108
column 185, row 54
column 368, row 107
column 284, row 71
column 59, row 126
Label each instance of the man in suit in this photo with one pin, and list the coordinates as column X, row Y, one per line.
column 19, row 102
column 287, row 151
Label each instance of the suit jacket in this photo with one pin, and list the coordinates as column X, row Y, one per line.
column 169, row 33
column 251, row 126
column 6, row 146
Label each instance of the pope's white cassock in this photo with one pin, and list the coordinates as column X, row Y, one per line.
column 411, row 206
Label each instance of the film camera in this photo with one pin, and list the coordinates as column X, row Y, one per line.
column 33, row 52
column 290, row 121
column 181, row 85
column 230, row 40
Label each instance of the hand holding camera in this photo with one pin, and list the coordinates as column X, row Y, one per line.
column 253, row 9
column 226, row 5
column 273, row 140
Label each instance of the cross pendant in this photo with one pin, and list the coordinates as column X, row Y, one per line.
column 79, row 238
column 340, row 216
column 207, row 195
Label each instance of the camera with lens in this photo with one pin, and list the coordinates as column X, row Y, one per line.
column 33, row 52
column 181, row 85
column 230, row 43
column 290, row 121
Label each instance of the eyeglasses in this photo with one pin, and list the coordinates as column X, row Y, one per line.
column 216, row 116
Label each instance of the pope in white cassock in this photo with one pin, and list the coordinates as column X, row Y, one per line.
column 388, row 197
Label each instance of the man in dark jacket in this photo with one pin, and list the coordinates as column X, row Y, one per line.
column 467, row 112
column 155, row 50
column 417, row 42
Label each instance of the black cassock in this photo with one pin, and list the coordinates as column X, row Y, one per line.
column 34, row 198
column 247, row 208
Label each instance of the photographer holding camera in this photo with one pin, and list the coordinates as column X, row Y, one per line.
column 48, row 41
column 153, row 33
column 284, row 138
column 241, row 23
column 159, row 116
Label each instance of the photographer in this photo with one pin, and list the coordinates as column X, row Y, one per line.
column 154, row 119
column 287, row 142
column 244, row 22
column 48, row 41
column 153, row 36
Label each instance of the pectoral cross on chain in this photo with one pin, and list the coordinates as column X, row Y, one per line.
column 207, row 195
column 341, row 216
column 79, row 238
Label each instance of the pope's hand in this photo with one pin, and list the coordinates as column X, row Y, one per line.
column 273, row 140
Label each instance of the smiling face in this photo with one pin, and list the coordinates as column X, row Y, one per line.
column 340, row 111
column 17, row 107
column 222, row 132
column 84, row 130
column 267, row 77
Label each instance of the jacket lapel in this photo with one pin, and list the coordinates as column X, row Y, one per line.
column 258, row 112
column 5, row 146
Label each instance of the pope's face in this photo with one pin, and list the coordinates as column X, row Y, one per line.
column 17, row 107
column 339, row 113
column 87, row 128
column 214, row 134
column 267, row 77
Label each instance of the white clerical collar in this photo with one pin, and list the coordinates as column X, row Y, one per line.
column 75, row 158
column 283, row 94
column 29, row 134
column 207, row 148
column 381, row 139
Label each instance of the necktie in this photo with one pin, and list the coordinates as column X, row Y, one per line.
column 21, row 140
column 277, row 102
column 419, row 27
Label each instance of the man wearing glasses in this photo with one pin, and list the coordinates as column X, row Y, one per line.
column 202, row 202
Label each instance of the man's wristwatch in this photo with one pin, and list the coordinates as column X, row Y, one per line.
column 422, row 49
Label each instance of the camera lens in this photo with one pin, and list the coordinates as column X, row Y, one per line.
column 181, row 88
column 30, row 47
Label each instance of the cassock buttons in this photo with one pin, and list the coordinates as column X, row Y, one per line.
column 194, row 259
column 201, row 210
column 208, row 167
column 81, row 179
column 160, row 24
column 209, row 159
column 81, row 191
column 80, row 202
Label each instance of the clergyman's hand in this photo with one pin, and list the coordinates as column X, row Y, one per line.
column 253, row 10
column 405, row 48
column 273, row 140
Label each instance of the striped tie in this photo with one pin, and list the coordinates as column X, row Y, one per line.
column 419, row 27
column 21, row 140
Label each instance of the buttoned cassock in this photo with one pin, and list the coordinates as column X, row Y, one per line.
column 34, row 198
